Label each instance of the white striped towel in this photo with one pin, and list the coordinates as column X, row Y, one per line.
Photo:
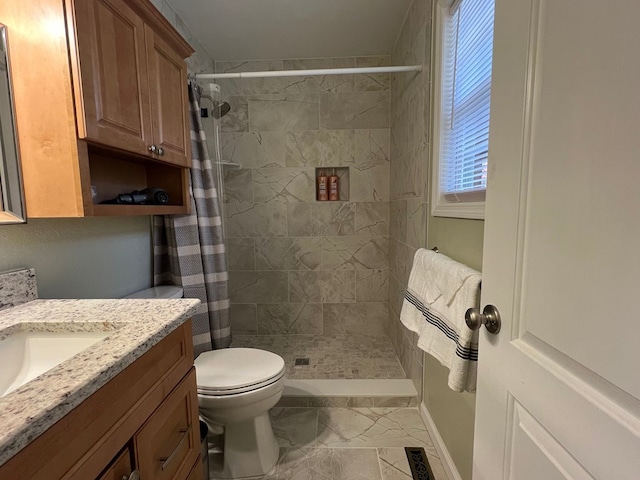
column 439, row 292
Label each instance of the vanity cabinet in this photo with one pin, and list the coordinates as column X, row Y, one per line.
column 100, row 90
column 145, row 419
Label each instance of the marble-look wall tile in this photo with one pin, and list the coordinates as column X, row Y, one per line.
column 403, row 262
column 354, row 110
column 284, row 112
column 372, row 147
column 17, row 288
column 355, row 318
column 256, row 220
column 254, row 149
column 372, row 218
column 416, row 223
column 355, row 253
column 398, row 215
column 318, row 219
column 288, row 253
column 372, row 285
column 372, row 82
column 321, row 83
column 235, row 186
column 290, row 319
column 280, row 130
column 396, row 295
column 419, row 15
column 249, row 86
column 258, row 287
column 320, row 148
column 243, row 319
column 284, row 185
column 322, row 286
column 369, row 184
column 408, row 182
column 237, row 120
column 393, row 257
column 240, row 253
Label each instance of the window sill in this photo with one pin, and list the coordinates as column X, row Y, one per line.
column 471, row 210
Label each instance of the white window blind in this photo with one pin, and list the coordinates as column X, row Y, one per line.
column 466, row 90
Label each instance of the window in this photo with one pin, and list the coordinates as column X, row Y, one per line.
column 462, row 95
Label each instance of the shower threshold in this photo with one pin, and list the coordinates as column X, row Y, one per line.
column 337, row 370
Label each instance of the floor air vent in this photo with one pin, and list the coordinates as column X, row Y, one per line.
column 420, row 468
column 302, row 361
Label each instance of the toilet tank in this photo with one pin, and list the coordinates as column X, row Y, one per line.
column 163, row 291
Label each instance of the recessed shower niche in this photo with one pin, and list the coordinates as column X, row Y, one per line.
column 343, row 183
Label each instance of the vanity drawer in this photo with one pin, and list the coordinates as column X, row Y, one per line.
column 120, row 468
column 168, row 443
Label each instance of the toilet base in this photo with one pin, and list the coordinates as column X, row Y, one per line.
column 250, row 450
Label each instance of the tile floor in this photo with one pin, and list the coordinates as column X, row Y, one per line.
column 349, row 443
column 330, row 356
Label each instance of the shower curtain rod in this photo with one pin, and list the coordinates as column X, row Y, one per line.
column 308, row 73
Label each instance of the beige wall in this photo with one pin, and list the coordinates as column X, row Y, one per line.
column 296, row 265
column 453, row 413
column 90, row 257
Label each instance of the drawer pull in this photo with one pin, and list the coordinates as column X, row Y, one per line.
column 166, row 461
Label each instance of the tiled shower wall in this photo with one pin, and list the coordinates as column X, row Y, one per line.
column 409, row 192
column 298, row 266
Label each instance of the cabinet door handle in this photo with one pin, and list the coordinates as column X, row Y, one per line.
column 160, row 151
column 166, row 461
column 135, row 475
column 152, row 148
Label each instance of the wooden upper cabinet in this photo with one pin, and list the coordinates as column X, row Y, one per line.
column 114, row 79
column 133, row 80
column 115, row 94
column 169, row 97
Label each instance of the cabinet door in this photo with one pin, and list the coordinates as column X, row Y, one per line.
column 113, row 72
column 169, row 101
column 168, row 445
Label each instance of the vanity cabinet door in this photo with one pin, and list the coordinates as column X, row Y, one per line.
column 169, row 97
column 113, row 75
column 168, row 445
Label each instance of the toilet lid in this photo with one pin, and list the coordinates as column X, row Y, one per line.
column 236, row 370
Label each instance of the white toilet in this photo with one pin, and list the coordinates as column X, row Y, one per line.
column 236, row 389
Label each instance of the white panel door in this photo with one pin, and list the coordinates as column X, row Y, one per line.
column 559, row 386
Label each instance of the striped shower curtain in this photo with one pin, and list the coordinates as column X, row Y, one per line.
column 189, row 249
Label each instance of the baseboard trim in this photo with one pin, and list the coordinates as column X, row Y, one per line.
column 441, row 448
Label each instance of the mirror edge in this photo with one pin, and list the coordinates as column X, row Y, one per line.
column 16, row 215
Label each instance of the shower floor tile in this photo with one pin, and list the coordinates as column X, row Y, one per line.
column 330, row 356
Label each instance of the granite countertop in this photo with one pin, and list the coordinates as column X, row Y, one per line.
column 137, row 326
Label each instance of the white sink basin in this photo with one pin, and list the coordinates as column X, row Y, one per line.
column 24, row 355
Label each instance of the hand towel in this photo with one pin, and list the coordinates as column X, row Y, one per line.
column 439, row 292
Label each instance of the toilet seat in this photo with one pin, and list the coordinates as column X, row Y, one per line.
column 232, row 371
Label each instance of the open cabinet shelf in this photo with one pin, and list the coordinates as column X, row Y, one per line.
column 111, row 175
